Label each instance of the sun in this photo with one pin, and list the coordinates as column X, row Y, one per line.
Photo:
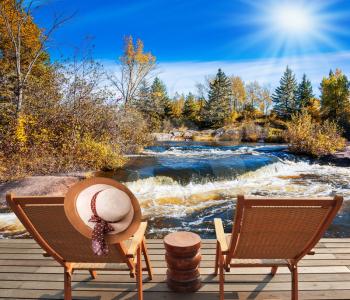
column 283, row 28
column 292, row 19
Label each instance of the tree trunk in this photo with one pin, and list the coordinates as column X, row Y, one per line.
column 19, row 100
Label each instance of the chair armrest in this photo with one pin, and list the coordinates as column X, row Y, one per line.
column 220, row 234
column 137, row 239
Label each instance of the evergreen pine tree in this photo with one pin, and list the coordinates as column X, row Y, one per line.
column 191, row 108
column 284, row 97
column 160, row 98
column 143, row 96
column 218, row 105
column 304, row 93
column 148, row 105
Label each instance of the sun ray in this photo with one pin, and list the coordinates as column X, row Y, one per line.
column 299, row 27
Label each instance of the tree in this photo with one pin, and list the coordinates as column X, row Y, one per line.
column 313, row 109
column 177, row 106
column 304, row 94
column 202, row 91
column 23, row 46
column 145, row 103
column 218, row 105
column 161, row 98
column 335, row 99
column 284, row 97
column 253, row 91
column 135, row 66
column 265, row 102
column 238, row 93
column 191, row 109
column 335, row 92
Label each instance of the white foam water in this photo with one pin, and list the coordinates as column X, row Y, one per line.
column 164, row 196
column 204, row 151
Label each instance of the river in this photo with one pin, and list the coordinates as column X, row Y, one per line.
column 185, row 185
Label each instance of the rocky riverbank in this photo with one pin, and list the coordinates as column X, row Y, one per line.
column 341, row 158
column 39, row 186
column 247, row 133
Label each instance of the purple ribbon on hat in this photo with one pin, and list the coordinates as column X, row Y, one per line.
column 99, row 245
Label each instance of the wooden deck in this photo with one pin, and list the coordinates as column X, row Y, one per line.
column 26, row 274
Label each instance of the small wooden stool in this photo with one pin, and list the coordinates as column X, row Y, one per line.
column 183, row 257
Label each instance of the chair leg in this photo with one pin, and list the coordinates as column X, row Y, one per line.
column 67, row 284
column 145, row 255
column 93, row 273
column 217, row 259
column 294, row 283
column 221, row 274
column 139, row 273
column 274, row 270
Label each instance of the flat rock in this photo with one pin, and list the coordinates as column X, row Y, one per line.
column 38, row 186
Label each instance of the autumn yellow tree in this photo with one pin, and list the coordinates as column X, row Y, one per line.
column 135, row 66
column 23, row 48
column 239, row 95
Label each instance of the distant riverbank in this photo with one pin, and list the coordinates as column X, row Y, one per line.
column 250, row 132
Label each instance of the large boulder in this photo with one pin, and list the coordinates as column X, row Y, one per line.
column 39, row 185
column 188, row 134
column 162, row 137
column 234, row 135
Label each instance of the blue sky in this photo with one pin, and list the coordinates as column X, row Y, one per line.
column 192, row 39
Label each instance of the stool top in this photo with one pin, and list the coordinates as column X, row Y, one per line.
column 182, row 239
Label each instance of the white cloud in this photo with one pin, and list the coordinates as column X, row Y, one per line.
column 182, row 76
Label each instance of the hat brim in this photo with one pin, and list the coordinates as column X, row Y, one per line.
column 83, row 206
column 123, row 229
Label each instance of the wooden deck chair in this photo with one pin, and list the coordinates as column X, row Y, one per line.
column 46, row 221
column 273, row 233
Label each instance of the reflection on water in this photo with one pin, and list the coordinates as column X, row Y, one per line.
column 184, row 185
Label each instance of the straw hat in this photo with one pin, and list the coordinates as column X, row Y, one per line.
column 107, row 200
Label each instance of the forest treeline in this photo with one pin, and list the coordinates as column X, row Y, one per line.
column 58, row 117
column 225, row 100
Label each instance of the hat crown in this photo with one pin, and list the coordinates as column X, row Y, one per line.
column 112, row 204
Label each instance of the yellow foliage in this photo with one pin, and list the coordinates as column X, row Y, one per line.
column 98, row 155
column 30, row 33
column 137, row 55
column 305, row 135
column 21, row 129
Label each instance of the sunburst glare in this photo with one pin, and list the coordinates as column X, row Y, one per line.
column 292, row 20
column 294, row 27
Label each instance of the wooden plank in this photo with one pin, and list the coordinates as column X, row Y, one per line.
column 102, row 295
column 114, row 278
column 337, row 245
column 333, row 250
column 335, row 240
column 342, row 255
column 325, row 253
column 162, row 264
column 204, row 271
column 160, row 241
column 151, row 286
